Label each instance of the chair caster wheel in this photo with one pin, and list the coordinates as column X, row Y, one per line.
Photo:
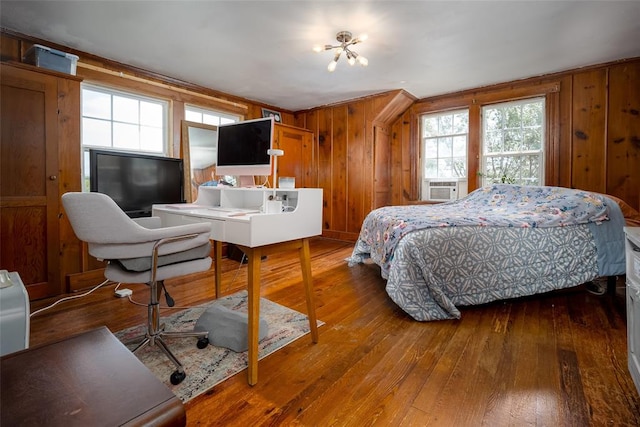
column 203, row 343
column 177, row 377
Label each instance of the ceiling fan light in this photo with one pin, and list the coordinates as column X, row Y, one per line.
column 363, row 61
column 351, row 60
column 332, row 66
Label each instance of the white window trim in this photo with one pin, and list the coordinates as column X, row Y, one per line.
column 84, row 148
column 166, row 149
column 542, row 152
column 422, row 142
column 461, row 182
column 219, row 113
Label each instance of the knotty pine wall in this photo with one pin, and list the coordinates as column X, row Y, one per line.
column 353, row 166
column 593, row 130
column 86, row 270
column 94, row 69
column 593, row 140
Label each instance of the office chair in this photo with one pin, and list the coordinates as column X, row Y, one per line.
column 141, row 251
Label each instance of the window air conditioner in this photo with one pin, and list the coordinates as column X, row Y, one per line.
column 442, row 191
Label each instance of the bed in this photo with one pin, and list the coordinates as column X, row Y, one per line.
column 501, row 241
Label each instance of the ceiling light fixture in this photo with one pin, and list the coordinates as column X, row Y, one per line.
column 346, row 40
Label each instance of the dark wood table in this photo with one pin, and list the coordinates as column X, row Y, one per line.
column 90, row 379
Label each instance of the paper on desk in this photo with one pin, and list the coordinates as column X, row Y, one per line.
column 184, row 206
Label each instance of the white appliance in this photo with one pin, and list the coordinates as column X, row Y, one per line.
column 632, row 245
column 14, row 313
column 442, row 190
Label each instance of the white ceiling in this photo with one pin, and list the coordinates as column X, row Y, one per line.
column 261, row 50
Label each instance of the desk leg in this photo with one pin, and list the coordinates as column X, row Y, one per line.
column 217, row 262
column 253, row 295
column 305, row 264
column 253, row 291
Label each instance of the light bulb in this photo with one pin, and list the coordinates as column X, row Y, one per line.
column 332, row 65
column 351, row 57
column 362, row 37
column 318, row 49
column 363, row 61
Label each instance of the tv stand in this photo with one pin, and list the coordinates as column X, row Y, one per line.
column 239, row 216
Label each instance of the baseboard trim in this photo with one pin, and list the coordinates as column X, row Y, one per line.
column 84, row 280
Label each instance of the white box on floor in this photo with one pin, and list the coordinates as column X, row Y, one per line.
column 14, row 313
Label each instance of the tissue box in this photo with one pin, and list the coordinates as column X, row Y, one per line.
column 45, row 57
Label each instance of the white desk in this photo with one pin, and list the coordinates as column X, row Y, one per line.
column 235, row 217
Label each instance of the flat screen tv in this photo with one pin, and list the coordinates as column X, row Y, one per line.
column 136, row 181
column 242, row 147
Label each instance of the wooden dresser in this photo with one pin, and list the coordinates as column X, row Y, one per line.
column 90, row 379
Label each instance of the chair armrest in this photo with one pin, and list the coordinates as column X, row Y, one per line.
column 136, row 233
column 150, row 222
column 111, row 234
column 148, row 234
column 139, row 241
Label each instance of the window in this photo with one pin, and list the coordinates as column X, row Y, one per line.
column 444, row 144
column 513, row 140
column 121, row 121
column 208, row 117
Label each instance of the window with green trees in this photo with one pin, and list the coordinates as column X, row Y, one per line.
column 513, row 141
column 444, row 144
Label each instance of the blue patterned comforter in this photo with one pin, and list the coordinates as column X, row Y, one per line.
column 499, row 242
column 495, row 206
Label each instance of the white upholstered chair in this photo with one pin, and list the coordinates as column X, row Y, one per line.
column 141, row 251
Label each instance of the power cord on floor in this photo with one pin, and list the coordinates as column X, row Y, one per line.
column 71, row 298
column 163, row 307
column 233, row 279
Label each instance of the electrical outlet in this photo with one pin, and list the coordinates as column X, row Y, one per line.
column 122, row 293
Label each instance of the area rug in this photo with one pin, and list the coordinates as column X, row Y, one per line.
column 207, row 367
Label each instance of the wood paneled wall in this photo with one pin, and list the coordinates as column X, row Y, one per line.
column 593, row 140
column 103, row 71
column 622, row 163
column 349, row 171
column 75, row 261
column 593, row 130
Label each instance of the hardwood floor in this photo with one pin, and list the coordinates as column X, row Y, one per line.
column 549, row 360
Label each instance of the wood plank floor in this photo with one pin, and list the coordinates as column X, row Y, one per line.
column 551, row 360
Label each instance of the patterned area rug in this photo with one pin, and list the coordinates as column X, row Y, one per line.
column 207, row 367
